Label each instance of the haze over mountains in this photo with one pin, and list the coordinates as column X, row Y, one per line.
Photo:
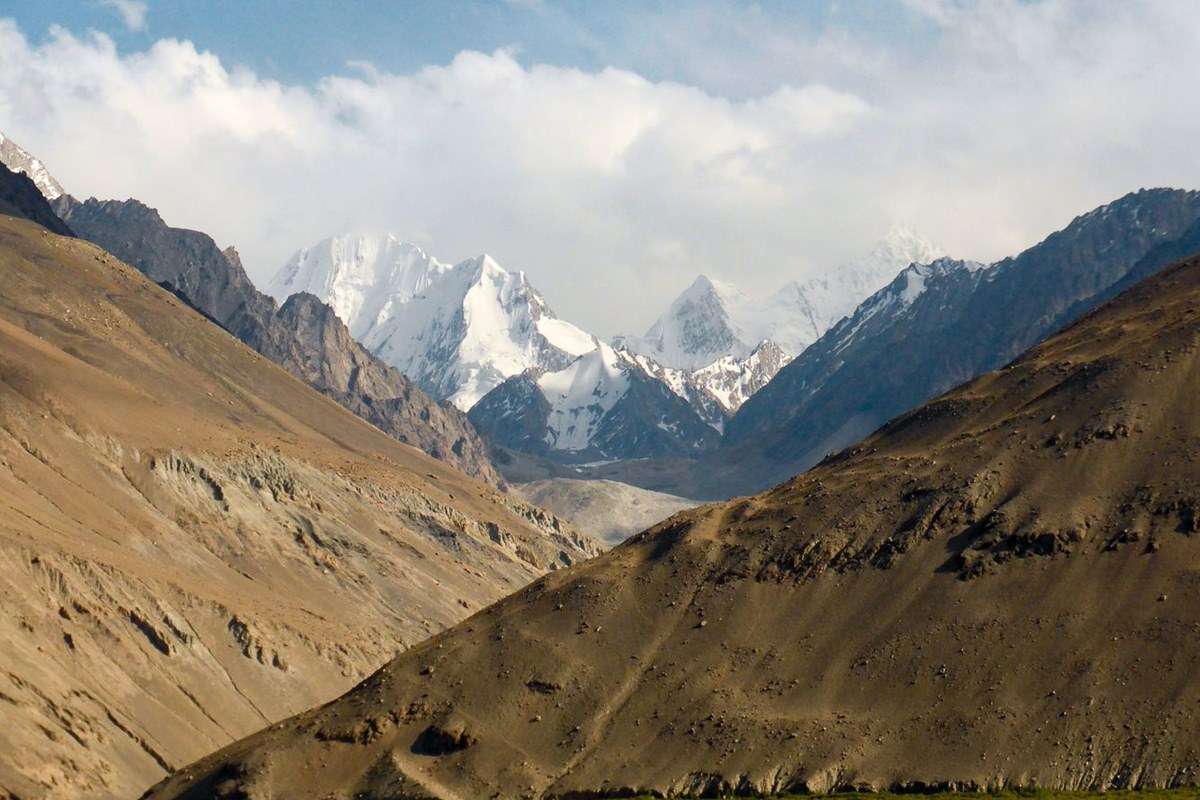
column 712, row 320
column 938, row 325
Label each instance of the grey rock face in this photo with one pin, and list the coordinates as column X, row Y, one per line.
column 651, row 421
column 514, row 415
column 304, row 336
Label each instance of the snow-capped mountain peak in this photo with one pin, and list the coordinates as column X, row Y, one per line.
column 361, row 276
column 899, row 295
column 711, row 319
column 699, row 327
column 901, row 244
column 804, row 310
column 17, row 159
column 457, row 330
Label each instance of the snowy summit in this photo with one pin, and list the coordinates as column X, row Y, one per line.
column 459, row 331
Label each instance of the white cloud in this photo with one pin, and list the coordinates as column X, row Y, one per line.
column 132, row 12
column 612, row 190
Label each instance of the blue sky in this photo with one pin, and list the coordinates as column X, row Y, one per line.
column 303, row 41
column 611, row 150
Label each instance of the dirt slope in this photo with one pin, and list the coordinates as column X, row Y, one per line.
column 1001, row 587
column 193, row 543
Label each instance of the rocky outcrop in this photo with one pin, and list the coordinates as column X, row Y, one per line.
column 306, row 338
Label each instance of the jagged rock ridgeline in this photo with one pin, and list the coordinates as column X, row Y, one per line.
column 601, row 406
column 997, row 589
column 714, row 320
column 194, row 542
column 482, row 337
column 17, row 159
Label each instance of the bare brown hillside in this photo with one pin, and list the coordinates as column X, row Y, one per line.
column 193, row 543
column 999, row 588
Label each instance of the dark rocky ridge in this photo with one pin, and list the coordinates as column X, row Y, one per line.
column 19, row 197
column 305, row 337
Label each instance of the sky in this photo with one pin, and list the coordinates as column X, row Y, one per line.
column 611, row 150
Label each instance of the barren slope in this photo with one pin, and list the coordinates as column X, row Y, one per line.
column 193, row 543
column 1001, row 587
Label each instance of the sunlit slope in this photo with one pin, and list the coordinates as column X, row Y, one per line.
column 192, row 542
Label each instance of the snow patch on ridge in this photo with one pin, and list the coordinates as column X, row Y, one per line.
column 581, row 395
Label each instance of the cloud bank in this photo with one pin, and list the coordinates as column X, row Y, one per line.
column 998, row 125
column 132, row 12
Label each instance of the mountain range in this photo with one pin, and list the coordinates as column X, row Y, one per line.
column 711, row 320
column 305, row 336
column 458, row 331
column 484, row 339
column 976, row 568
column 997, row 589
